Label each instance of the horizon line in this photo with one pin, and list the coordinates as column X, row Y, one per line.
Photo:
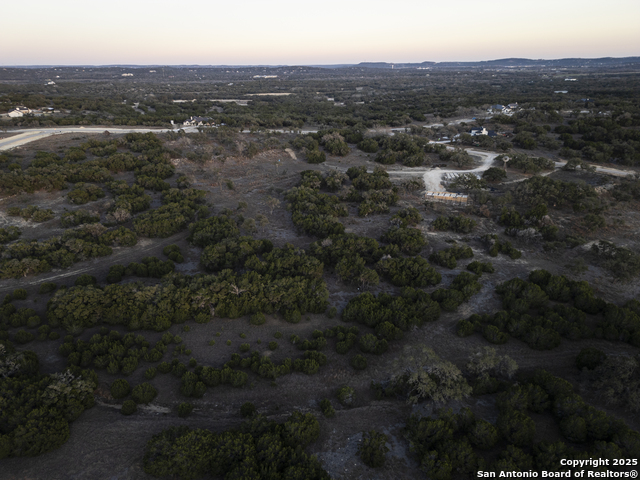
column 315, row 65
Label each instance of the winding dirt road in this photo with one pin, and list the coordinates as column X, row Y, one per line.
column 432, row 177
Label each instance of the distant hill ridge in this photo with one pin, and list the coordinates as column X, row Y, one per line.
column 512, row 62
column 503, row 62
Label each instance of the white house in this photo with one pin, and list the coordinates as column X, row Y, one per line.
column 197, row 122
column 474, row 132
column 19, row 112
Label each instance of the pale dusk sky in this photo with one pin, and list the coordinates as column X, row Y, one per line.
column 250, row 32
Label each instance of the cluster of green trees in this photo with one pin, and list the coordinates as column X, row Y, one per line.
column 195, row 383
column 232, row 252
column 180, row 207
column 24, row 258
column 603, row 139
column 540, row 190
column 413, row 272
column 315, row 213
column 258, row 449
column 129, row 200
column 480, row 267
column 372, row 448
column 497, row 246
column 463, row 287
column 148, row 267
column 527, row 164
column 284, row 283
column 410, row 150
column 113, row 352
column 10, row 316
column 529, row 316
column 456, row 223
column 449, row 257
column 412, row 307
column 335, row 144
column 9, row 234
column 173, row 252
column 420, row 374
column 364, row 181
column 614, row 377
column 311, row 148
column 622, row 262
column 78, row 217
column 409, row 240
column 628, row 189
column 373, row 191
column 458, row 156
column 210, row 231
column 51, row 174
column 32, row 212
column 82, row 193
column 449, row 444
column 534, row 225
column 37, row 409
column 494, row 174
column 335, row 248
column 352, row 256
column 406, row 217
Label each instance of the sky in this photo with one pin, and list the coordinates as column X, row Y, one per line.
column 287, row 32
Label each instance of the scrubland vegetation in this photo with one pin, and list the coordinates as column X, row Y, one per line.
column 281, row 304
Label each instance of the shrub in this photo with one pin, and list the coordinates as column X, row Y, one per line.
column 247, row 409
column 494, row 174
column 465, row 328
column 22, row 336
column 144, row 393
column 359, row 362
column 346, row 396
column 456, row 223
column 372, row 448
column 79, row 217
column 184, row 409
column 245, row 347
column 483, row 434
column 85, row 280
column 9, row 234
column 273, row 345
column 480, row 267
column 517, row 428
column 120, row 388
column 150, row 373
column 164, row 367
column 293, row 316
column 129, row 407
column 34, row 321
column 327, row 408
column 590, row 358
column 316, row 156
column 258, row 318
column 368, row 145
column 19, row 294
column 410, row 240
column 47, row 287
column 449, row 256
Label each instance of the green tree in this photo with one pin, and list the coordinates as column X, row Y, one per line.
column 372, row 448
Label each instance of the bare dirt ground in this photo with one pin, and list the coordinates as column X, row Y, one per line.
column 106, row 444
